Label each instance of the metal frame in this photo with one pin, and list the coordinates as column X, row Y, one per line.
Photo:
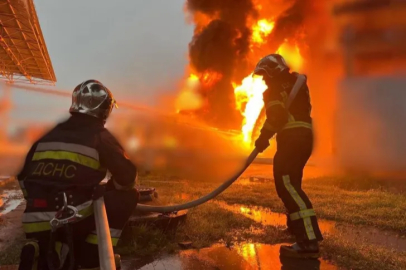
column 24, row 57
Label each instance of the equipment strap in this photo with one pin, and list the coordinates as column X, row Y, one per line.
column 301, row 79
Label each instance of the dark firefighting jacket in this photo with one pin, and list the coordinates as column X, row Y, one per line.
column 73, row 158
column 278, row 118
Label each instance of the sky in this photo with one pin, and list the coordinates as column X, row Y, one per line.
column 135, row 47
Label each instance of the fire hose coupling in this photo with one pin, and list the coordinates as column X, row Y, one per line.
column 67, row 214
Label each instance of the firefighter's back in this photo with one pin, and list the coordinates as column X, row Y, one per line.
column 66, row 157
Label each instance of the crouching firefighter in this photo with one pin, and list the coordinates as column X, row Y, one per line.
column 293, row 126
column 67, row 164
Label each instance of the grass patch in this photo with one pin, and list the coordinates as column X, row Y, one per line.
column 11, row 255
column 359, row 206
column 205, row 225
column 348, row 200
column 358, row 256
column 364, row 183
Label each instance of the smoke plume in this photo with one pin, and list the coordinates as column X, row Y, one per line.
column 222, row 44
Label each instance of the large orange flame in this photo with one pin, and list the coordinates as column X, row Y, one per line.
column 248, row 97
column 261, row 29
column 248, row 94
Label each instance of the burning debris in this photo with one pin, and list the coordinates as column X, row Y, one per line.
column 230, row 37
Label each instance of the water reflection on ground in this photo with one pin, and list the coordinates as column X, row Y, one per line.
column 368, row 235
column 248, row 256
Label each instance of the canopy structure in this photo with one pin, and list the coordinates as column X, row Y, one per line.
column 24, row 56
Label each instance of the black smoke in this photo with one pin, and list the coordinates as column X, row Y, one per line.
column 291, row 22
column 221, row 47
column 224, row 44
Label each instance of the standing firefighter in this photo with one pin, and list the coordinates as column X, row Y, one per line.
column 73, row 158
column 293, row 127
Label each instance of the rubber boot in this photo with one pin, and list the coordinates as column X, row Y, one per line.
column 29, row 256
column 301, row 250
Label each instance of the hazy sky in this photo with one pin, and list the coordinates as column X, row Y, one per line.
column 135, row 47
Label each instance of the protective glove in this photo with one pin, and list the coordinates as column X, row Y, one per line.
column 262, row 143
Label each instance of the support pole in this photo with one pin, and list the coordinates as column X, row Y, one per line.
column 106, row 254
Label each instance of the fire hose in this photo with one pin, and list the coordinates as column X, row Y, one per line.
column 201, row 200
column 301, row 79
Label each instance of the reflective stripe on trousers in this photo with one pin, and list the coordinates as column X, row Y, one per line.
column 114, row 233
column 39, row 221
column 302, row 206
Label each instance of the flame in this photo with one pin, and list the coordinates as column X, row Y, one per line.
column 249, row 101
column 209, row 78
column 292, row 55
column 261, row 30
column 189, row 98
column 248, row 94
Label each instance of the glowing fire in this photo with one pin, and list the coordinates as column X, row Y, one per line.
column 249, row 101
column 248, row 94
column 292, row 55
column 189, row 98
column 261, row 30
column 210, row 78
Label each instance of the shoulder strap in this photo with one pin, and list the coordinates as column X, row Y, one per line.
column 301, row 79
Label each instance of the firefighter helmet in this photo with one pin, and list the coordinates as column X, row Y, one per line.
column 271, row 65
column 91, row 97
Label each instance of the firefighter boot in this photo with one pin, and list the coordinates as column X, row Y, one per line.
column 29, row 256
column 301, row 250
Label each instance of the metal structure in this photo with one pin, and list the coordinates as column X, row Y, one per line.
column 23, row 54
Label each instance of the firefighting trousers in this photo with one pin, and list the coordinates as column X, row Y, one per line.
column 294, row 148
column 119, row 207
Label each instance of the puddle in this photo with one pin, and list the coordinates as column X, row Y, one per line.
column 9, row 201
column 368, row 235
column 239, row 257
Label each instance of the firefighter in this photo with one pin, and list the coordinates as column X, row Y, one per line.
column 74, row 157
column 294, row 139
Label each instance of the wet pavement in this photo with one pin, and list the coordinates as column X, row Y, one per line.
column 9, row 200
column 364, row 234
column 248, row 256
